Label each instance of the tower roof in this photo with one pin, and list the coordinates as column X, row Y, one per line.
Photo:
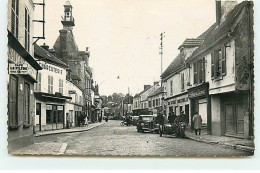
column 67, row 3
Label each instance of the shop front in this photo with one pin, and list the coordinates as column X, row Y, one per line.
column 201, row 103
column 50, row 111
column 177, row 104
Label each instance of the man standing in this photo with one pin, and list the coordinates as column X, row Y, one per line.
column 197, row 123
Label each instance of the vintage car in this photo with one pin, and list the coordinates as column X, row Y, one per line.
column 147, row 123
column 134, row 120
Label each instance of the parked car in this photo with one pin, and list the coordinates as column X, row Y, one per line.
column 147, row 123
column 134, row 120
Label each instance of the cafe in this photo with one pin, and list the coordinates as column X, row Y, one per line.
column 200, row 102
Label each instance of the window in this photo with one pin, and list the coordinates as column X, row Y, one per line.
column 182, row 81
column 15, row 17
column 37, row 86
column 153, row 103
column 76, row 98
column 218, row 62
column 157, row 102
column 199, row 71
column 50, row 84
column 150, row 103
column 13, row 105
column 26, row 103
column 195, row 73
column 171, row 87
column 27, row 30
column 61, row 86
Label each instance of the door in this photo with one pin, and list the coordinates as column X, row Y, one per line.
column 187, row 112
column 230, row 122
column 26, row 103
column 13, row 94
column 38, row 122
column 234, row 119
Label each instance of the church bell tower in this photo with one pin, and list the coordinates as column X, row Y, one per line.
column 68, row 19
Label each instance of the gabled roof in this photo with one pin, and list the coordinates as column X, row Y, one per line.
column 145, row 90
column 157, row 92
column 41, row 53
column 217, row 32
column 176, row 64
column 192, row 42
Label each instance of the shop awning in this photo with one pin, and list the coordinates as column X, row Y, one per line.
column 57, row 96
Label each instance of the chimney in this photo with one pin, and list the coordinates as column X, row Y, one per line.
column 86, row 49
column 146, row 86
column 44, row 46
column 218, row 11
column 156, row 83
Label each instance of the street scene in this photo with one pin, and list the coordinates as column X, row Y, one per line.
column 141, row 78
column 111, row 139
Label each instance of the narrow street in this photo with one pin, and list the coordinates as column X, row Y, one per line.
column 113, row 139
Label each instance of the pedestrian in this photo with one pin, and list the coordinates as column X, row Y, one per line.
column 183, row 118
column 197, row 123
column 171, row 117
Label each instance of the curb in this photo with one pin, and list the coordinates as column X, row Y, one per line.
column 238, row 147
column 79, row 130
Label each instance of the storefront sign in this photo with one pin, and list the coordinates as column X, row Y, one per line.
column 198, row 92
column 19, row 65
column 48, row 107
column 50, row 68
column 22, row 69
column 178, row 100
column 60, row 108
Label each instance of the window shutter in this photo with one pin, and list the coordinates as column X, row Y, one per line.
column 203, row 69
column 216, row 64
column 195, row 73
column 223, row 61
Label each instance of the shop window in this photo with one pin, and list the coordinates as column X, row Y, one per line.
column 61, row 86
column 50, row 84
column 15, row 18
column 27, row 30
column 13, row 99
column 26, row 103
column 218, row 63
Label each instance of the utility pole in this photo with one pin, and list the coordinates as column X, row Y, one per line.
column 162, row 35
column 161, row 50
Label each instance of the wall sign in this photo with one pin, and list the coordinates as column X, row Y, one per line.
column 198, row 91
column 50, row 68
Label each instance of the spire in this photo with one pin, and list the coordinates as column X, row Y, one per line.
column 67, row 19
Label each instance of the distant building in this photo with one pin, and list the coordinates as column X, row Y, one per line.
column 66, row 50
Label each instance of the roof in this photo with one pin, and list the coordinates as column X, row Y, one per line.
column 145, row 90
column 156, row 92
column 216, row 32
column 75, row 77
column 44, row 54
column 176, row 64
column 192, row 42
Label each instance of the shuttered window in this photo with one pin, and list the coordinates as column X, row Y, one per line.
column 50, row 84
column 37, row 86
column 15, row 18
column 61, row 86
column 182, row 81
column 171, row 87
column 27, row 30
column 195, row 73
column 218, row 63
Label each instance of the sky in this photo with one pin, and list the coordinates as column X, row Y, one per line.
column 123, row 36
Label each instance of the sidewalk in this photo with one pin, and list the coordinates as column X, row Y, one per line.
column 229, row 142
column 76, row 129
column 50, row 147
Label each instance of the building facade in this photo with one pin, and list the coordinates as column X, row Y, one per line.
column 228, row 64
column 50, row 91
column 22, row 73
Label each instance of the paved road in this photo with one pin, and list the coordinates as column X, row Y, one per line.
column 112, row 139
